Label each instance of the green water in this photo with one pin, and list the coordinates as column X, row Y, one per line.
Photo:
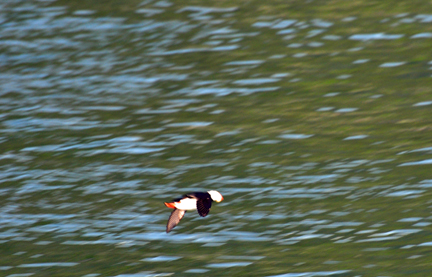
column 312, row 118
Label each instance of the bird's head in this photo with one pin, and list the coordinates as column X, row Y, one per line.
column 215, row 195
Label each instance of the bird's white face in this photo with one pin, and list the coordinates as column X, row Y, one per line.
column 215, row 195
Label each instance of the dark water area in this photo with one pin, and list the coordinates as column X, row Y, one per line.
column 312, row 118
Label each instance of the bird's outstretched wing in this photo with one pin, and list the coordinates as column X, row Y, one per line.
column 174, row 219
column 203, row 206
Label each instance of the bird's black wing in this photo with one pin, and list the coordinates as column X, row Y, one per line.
column 197, row 195
column 174, row 219
column 203, row 206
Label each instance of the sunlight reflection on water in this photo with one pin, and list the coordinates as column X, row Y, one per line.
column 105, row 116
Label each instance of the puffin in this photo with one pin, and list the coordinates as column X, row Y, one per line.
column 200, row 201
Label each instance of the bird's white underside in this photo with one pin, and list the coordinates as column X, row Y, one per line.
column 186, row 204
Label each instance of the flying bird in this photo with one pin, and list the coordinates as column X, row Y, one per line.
column 200, row 201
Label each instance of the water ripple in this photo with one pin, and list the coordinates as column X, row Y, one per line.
column 109, row 110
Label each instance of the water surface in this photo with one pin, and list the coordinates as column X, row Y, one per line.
column 312, row 119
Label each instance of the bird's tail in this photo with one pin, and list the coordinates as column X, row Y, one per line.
column 170, row 205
